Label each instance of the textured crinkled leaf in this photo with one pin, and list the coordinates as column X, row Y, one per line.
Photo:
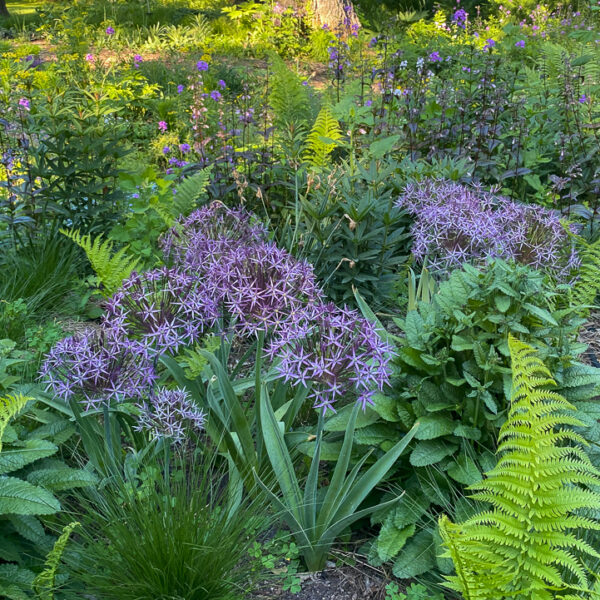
column 430, row 452
column 416, row 558
column 62, row 479
column 16, row 457
column 391, row 539
column 471, row 433
column 434, row 426
column 22, row 498
column 464, row 470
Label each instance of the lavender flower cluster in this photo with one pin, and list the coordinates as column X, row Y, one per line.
column 454, row 224
column 336, row 351
column 224, row 270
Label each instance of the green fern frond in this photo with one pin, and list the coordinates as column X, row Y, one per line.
column 10, row 406
column 45, row 583
column 110, row 268
column 526, row 545
column 322, row 138
column 288, row 98
column 586, row 287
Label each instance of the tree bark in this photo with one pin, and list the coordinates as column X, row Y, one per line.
column 336, row 14
column 3, row 9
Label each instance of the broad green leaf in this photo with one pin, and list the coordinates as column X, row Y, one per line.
column 339, row 421
column 416, row 558
column 21, row 498
column 464, row 470
column 16, row 457
column 391, row 539
column 434, row 426
column 430, row 452
column 64, row 478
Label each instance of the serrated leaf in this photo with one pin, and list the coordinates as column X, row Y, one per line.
column 464, row 470
column 339, row 421
column 391, row 539
column 386, row 408
column 434, row 426
column 430, row 452
column 471, row 433
column 416, row 558
column 28, row 527
column 22, row 498
column 64, row 478
column 16, row 457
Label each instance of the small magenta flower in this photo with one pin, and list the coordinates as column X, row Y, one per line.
column 138, row 58
column 184, row 148
column 180, row 88
column 202, row 65
column 109, row 30
column 216, row 95
column 520, row 44
column 435, row 56
column 90, row 58
column 221, row 84
column 304, row 82
column 24, row 103
column 162, row 125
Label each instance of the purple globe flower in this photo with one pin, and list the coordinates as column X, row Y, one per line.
column 460, row 17
column 98, row 367
column 435, row 57
column 169, row 414
column 184, row 148
column 216, row 95
column 109, row 30
column 454, row 224
column 162, row 309
column 208, row 233
column 336, row 352
column 202, row 65
column 261, row 286
column 520, row 44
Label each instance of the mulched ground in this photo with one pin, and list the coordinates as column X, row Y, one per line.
column 590, row 335
column 337, row 583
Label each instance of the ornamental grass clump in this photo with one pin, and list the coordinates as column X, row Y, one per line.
column 335, row 352
column 455, row 224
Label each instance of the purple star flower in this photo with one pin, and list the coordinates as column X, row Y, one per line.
column 99, row 367
column 209, row 233
column 184, row 148
column 202, row 65
column 335, row 351
column 216, row 95
column 261, row 286
column 170, row 414
column 454, row 224
column 221, row 84
column 180, row 88
column 435, row 56
column 520, row 44
column 163, row 309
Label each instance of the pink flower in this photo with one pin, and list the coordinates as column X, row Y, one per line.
column 90, row 58
column 109, row 30
column 162, row 126
column 24, row 103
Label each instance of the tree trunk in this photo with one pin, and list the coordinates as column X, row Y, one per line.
column 338, row 15
column 3, row 9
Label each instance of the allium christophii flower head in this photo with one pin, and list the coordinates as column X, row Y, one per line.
column 262, row 286
column 99, row 368
column 169, row 414
column 162, row 309
column 210, row 232
column 454, row 224
column 335, row 351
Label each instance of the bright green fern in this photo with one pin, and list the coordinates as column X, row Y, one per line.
column 525, row 546
column 10, row 406
column 45, row 582
column 585, row 289
column 323, row 138
column 185, row 197
column 110, row 268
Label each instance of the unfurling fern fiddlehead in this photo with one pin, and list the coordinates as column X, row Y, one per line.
column 525, row 546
